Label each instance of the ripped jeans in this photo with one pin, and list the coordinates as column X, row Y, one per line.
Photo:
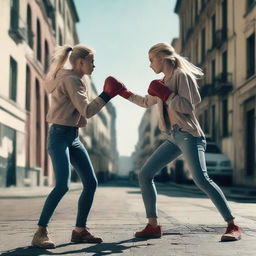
column 193, row 150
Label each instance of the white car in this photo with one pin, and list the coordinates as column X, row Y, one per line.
column 218, row 166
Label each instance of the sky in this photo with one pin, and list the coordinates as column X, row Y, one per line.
column 121, row 32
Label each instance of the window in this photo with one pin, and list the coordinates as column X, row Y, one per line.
column 46, row 56
column 14, row 22
column 203, row 45
column 29, row 27
column 196, row 10
column 213, row 72
column 224, row 66
column 251, row 55
column 213, row 30
column 225, row 118
column 224, row 19
column 38, row 124
column 38, row 50
column 28, row 87
column 60, row 37
column 203, row 4
column 13, row 79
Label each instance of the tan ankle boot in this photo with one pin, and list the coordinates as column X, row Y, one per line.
column 42, row 240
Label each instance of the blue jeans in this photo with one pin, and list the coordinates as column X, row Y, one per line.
column 64, row 147
column 192, row 148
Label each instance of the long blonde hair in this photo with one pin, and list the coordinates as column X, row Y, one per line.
column 177, row 60
column 61, row 54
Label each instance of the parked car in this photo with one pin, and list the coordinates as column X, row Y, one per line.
column 218, row 166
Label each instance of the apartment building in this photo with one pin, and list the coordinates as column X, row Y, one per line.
column 29, row 33
column 219, row 36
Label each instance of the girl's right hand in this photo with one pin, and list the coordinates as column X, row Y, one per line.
column 125, row 93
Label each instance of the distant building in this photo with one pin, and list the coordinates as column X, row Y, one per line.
column 99, row 137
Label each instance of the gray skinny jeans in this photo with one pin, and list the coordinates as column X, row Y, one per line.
column 193, row 150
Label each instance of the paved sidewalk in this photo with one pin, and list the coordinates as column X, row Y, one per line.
column 192, row 225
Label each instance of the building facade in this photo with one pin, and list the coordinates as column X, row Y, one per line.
column 29, row 33
column 219, row 36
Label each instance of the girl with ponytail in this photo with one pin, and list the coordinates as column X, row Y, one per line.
column 176, row 96
column 69, row 110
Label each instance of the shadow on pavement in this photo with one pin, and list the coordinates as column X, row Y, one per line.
column 97, row 249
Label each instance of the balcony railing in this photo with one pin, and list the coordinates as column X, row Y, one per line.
column 18, row 30
column 223, row 83
column 219, row 38
column 206, row 90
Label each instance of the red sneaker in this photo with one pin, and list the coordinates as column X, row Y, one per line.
column 150, row 232
column 233, row 233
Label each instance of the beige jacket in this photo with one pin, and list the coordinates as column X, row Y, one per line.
column 69, row 101
column 181, row 104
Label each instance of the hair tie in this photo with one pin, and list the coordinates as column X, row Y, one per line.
column 69, row 49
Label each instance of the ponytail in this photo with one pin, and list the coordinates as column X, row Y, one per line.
column 189, row 68
column 58, row 60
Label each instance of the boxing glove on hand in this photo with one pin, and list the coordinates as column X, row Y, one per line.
column 111, row 88
column 125, row 93
column 157, row 88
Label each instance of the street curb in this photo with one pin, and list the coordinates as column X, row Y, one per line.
column 230, row 192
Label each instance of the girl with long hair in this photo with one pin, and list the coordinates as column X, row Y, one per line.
column 176, row 96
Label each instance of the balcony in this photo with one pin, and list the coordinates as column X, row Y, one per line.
column 206, row 90
column 219, row 38
column 223, row 83
column 18, row 30
column 18, row 34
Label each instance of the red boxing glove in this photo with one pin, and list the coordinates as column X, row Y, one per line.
column 157, row 88
column 125, row 93
column 112, row 86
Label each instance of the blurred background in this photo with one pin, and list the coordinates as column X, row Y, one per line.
column 217, row 35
